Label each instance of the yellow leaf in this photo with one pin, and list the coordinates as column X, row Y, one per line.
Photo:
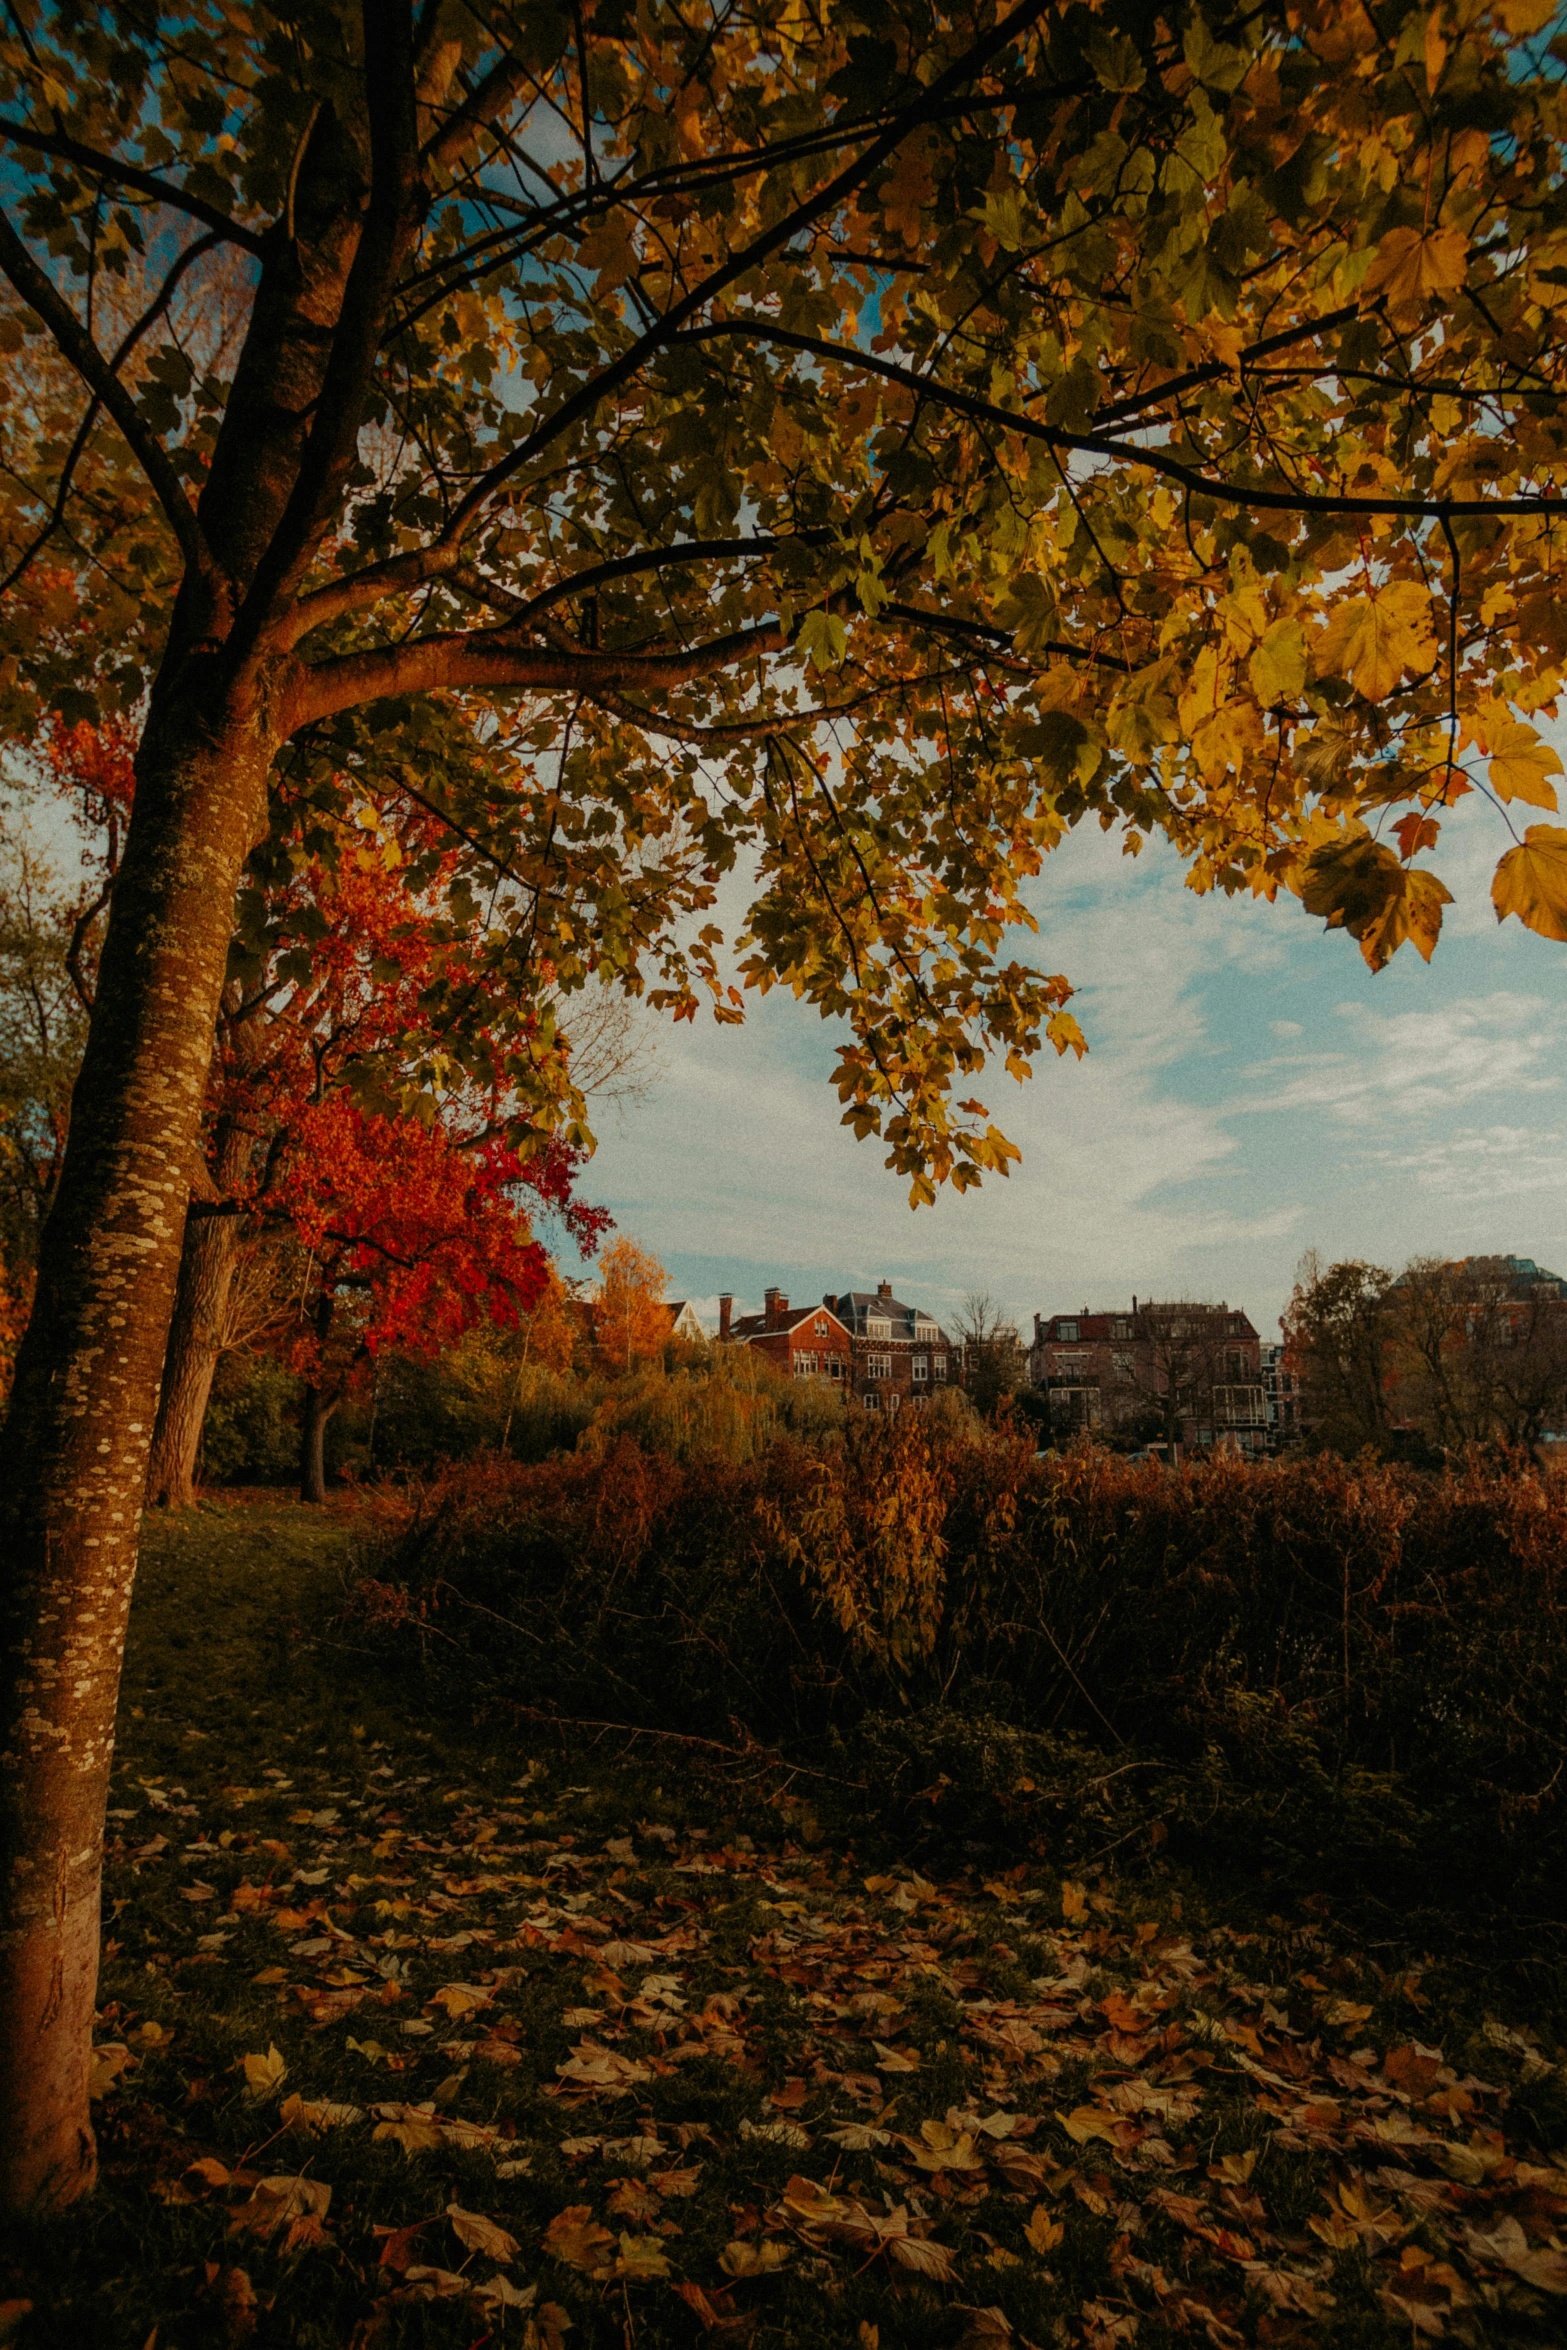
column 480, row 2234
column 1085, row 2122
column 264, row 2074
column 1531, row 882
column 575, row 2236
column 1521, row 766
column 459, row 1999
column 109, row 2060
column 1043, row 2232
column 1374, row 639
column 1277, row 668
column 1065, row 1034
column 752, row 2260
column 641, row 2257
column 1413, row 267
column 1074, row 1901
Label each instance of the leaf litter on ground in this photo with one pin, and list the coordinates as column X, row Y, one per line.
column 581, row 2071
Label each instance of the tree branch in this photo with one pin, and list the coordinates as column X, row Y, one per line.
column 1202, row 485
column 394, row 209
column 665, row 330
column 130, row 175
column 153, row 312
column 39, row 294
column 465, row 662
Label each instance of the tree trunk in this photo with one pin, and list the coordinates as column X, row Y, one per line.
column 207, row 1262
column 82, row 1408
column 312, row 1450
column 205, row 1279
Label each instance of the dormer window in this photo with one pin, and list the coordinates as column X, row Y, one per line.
column 1067, row 1333
column 878, row 1326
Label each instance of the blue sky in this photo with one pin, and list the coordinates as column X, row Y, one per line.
column 1251, row 1091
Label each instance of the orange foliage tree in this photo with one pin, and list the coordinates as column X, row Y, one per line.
column 630, row 1320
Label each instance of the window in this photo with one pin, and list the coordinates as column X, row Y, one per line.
column 878, row 1366
column 893, row 1399
column 877, row 1326
column 1067, row 1331
column 820, row 1326
column 921, row 1368
column 1121, row 1330
column 806, row 1366
column 872, row 1401
column 835, row 1366
column 938, row 1366
column 924, row 1331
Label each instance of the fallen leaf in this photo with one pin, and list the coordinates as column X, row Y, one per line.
column 480, row 2234
column 264, row 2075
column 575, row 2237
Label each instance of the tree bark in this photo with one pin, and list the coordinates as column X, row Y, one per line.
column 82, row 1408
column 205, row 1279
column 207, row 1262
column 312, row 1448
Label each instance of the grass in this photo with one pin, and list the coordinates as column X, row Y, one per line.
column 418, row 2034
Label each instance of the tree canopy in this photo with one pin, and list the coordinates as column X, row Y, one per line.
column 847, row 447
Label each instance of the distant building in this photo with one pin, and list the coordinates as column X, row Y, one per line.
column 901, row 1354
column 684, row 1322
column 885, row 1355
column 1281, row 1388
column 804, row 1342
column 1178, row 1373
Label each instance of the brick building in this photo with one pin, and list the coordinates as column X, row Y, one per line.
column 901, row 1353
column 1182, row 1373
column 885, row 1355
column 1281, row 1391
column 804, row 1342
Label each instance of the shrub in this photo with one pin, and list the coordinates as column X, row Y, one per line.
column 1297, row 1655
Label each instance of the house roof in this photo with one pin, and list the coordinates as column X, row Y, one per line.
column 748, row 1326
column 855, row 1304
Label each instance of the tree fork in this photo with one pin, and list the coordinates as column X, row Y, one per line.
column 80, row 1424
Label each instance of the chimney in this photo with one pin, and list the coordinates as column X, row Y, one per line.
column 830, row 1302
column 1039, row 1329
column 775, row 1305
column 884, row 1289
column 726, row 1306
column 1134, row 1301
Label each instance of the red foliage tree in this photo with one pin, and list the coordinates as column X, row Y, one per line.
column 376, row 1141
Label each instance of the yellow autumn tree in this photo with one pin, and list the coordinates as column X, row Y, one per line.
column 630, row 1321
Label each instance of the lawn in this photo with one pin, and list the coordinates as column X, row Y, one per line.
column 416, row 2032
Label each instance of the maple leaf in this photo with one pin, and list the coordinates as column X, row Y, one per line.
column 924, row 2257
column 1414, row 267
column 575, row 2237
column 479, row 2234
column 1043, row 2232
column 741, row 2260
column 264, row 2075
column 1531, row 881
column 1374, row 639
column 1521, row 766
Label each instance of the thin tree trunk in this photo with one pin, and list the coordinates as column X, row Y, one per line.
column 207, row 1261
column 206, row 1277
column 312, row 1449
column 82, row 1408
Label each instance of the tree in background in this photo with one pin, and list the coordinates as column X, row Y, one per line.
column 1445, row 1355
column 995, row 1365
column 630, row 1318
column 1337, row 1331
column 863, row 448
